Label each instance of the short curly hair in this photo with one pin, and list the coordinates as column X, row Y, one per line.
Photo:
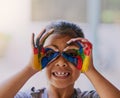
column 66, row 28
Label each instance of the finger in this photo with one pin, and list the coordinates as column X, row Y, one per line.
column 77, row 39
column 41, row 33
column 82, row 42
column 32, row 41
column 71, row 47
column 39, row 36
column 45, row 35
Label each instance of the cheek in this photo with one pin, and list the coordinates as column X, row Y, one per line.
column 48, row 71
column 75, row 72
column 74, row 76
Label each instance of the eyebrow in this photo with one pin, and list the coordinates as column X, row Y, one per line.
column 52, row 46
column 71, row 44
column 55, row 47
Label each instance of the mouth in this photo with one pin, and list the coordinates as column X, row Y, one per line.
column 61, row 74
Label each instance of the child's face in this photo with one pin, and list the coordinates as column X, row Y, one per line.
column 60, row 72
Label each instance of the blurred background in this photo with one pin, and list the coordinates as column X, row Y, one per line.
column 99, row 20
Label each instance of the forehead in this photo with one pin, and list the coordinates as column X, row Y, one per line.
column 57, row 40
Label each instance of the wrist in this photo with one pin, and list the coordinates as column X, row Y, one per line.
column 31, row 70
column 90, row 71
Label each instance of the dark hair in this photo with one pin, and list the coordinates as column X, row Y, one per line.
column 66, row 28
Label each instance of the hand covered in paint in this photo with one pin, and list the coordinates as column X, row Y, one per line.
column 38, row 49
column 83, row 58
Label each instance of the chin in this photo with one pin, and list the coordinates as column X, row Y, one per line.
column 61, row 84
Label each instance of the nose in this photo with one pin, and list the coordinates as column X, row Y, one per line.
column 61, row 62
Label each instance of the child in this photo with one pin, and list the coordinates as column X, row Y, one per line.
column 65, row 54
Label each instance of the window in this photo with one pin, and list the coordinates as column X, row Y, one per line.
column 110, row 11
column 45, row 10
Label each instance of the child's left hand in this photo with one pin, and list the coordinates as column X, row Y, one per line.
column 85, row 53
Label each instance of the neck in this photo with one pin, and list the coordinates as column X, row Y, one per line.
column 54, row 92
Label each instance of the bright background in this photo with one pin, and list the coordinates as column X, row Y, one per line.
column 99, row 19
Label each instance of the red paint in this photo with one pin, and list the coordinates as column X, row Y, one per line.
column 80, row 62
column 35, row 51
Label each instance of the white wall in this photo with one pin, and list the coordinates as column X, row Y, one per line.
column 14, row 21
column 14, row 15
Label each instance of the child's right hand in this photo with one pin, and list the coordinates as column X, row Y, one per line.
column 38, row 49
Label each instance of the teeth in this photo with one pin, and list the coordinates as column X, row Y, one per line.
column 61, row 73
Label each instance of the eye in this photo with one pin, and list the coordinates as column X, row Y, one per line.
column 49, row 52
column 72, row 53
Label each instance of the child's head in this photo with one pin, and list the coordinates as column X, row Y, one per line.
column 62, row 29
column 60, row 72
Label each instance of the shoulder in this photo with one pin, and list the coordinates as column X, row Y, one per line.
column 23, row 94
column 87, row 94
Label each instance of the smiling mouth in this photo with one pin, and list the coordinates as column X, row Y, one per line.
column 61, row 74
